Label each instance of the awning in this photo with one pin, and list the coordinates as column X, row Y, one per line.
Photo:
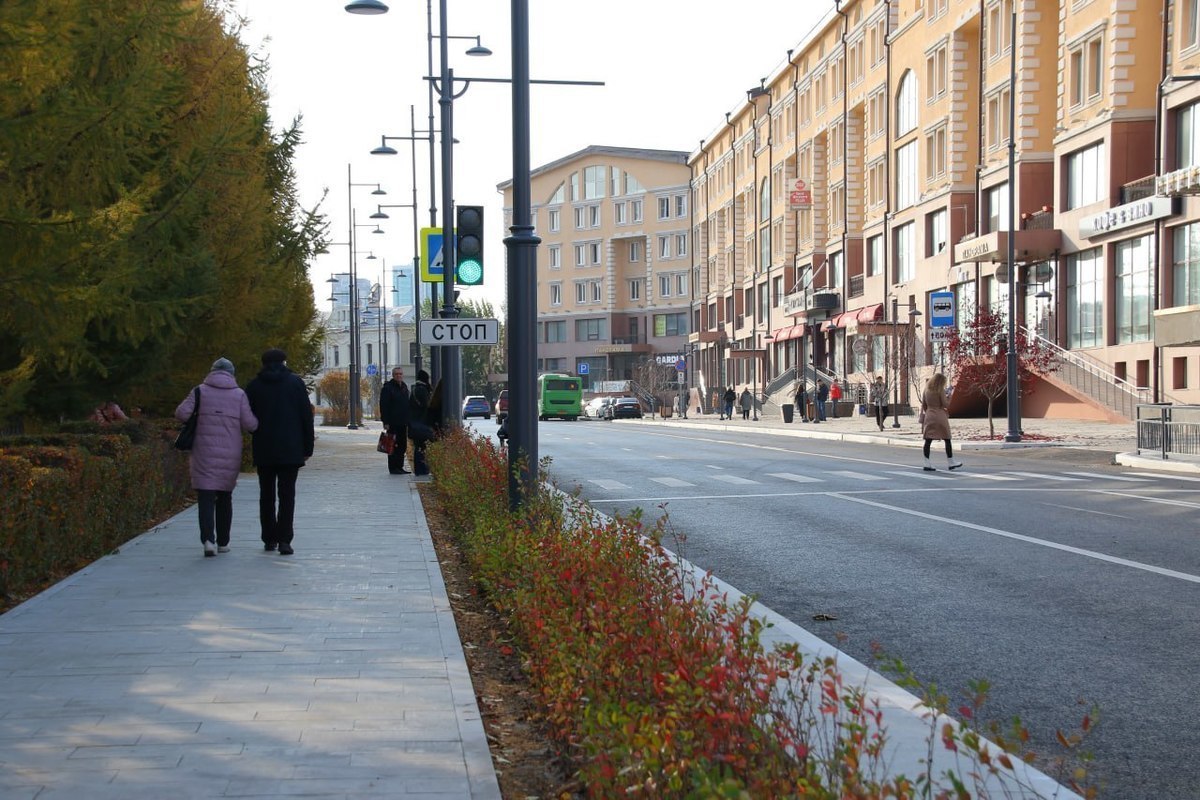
column 840, row 320
column 793, row 332
column 870, row 313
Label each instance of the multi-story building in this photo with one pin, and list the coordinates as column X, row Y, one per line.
column 894, row 154
column 614, row 265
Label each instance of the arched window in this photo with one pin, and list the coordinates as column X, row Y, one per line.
column 906, row 103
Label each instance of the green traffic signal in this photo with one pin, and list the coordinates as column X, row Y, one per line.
column 468, row 246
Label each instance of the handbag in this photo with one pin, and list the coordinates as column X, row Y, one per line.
column 387, row 443
column 921, row 418
column 187, row 434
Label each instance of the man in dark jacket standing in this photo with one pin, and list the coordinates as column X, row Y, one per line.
column 422, row 396
column 282, row 443
column 394, row 411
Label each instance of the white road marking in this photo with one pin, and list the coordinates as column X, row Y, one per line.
column 675, row 482
column 1102, row 476
column 1163, row 500
column 609, row 485
column 789, row 476
column 858, row 476
column 734, row 479
column 1169, row 476
column 714, row 466
column 1042, row 476
column 987, row 476
column 1087, row 510
column 1124, row 562
column 928, row 476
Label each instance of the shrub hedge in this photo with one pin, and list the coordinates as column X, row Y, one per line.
column 69, row 497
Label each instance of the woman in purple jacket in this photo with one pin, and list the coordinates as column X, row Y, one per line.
column 217, row 452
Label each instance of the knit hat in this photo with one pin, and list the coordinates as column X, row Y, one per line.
column 274, row 356
column 423, row 376
column 224, row 365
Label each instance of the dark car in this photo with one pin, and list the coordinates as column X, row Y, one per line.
column 624, row 408
column 502, row 406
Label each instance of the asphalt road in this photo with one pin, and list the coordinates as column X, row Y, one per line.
column 1063, row 581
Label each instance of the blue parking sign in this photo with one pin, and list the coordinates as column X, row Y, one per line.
column 582, row 368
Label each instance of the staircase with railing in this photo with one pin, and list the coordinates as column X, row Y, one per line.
column 1093, row 379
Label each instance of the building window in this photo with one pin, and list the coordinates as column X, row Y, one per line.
column 1187, row 147
column 593, row 182
column 1087, row 64
column 664, row 247
column 555, row 220
column 997, row 208
column 935, row 232
column 590, row 330
column 588, row 292
column 574, row 186
column 999, row 36
column 593, row 254
column 593, row 216
column 681, row 244
column 635, row 251
column 580, row 255
column 874, row 256
column 619, row 211
column 1135, row 262
column 997, row 118
column 664, row 285
column 837, row 204
column 336, row 356
column 681, row 205
column 1085, row 299
column 635, row 289
column 906, row 104
column 833, row 270
column 1186, row 279
column 615, row 184
column 556, row 331
column 878, row 41
column 670, row 324
column 635, row 210
column 935, row 74
column 664, row 208
column 906, row 256
column 876, row 183
column 556, row 294
column 935, row 154
column 876, row 118
column 906, row 176
column 1087, row 176
column 554, row 252
column 764, row 247
column 580, row 218
column 837, row 142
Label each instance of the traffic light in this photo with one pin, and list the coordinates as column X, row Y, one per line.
column 468, row 245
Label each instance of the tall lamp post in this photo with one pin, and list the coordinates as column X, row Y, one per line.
column 379, row 214
column 1013, row 389
column 355, row 399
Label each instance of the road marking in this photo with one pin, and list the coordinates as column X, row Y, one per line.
column 662, row 456
column 1169, row 476
column 1163, row 500
column 790, row 476
column 1110, row 477
column 928, row 476
column 987, row 476
column 1042, row 476
column 734, row 479
column 675, row 482
column 1086, row 510
column 1066, row 548
column 608, row 485
column 858, row 476
column 714, row 466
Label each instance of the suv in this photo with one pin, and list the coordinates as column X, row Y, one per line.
column 476, row 406
column 502, row 406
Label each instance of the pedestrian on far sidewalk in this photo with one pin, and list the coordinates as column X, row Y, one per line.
column 217, row 450
column 935, row 419
column 835, row 394
column 394, row 412
column 822, row 396
column 282, row 444
column 802, row 401
column 730, row 397
column 420, row 424
column 879, row 400
column 745, row 402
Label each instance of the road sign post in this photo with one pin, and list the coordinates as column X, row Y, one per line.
column 460, row 331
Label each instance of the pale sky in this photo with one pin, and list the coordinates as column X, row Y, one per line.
column 672, row 68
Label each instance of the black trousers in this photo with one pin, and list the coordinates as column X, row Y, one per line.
column 396, row 457
column 277, row 523
column 216, row 512
column 881, row 412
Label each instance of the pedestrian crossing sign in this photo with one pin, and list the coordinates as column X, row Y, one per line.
column 432, row 270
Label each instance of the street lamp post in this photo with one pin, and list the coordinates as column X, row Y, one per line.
column 1013, row 389
column 355, row 399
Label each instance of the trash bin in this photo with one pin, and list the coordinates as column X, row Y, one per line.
column 862, row 409
column 788, row 411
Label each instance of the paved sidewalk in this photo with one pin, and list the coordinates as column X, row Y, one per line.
column 334, row 673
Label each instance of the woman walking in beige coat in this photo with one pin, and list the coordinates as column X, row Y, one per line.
column 935, row 419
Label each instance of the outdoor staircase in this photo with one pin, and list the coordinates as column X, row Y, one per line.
column 1086, row 377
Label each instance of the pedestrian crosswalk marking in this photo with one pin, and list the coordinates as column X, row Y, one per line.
column 675, row 482
column 734, row 479
column 1170, row 477
column 860, row 476
column 987, row 476
column 1102, row 476
column 608, row 485
column 927, row 476
column 1042, row 476
column 789, row 476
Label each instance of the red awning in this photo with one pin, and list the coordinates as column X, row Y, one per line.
column 793, row 332
column 870, row 313
column 839, row 320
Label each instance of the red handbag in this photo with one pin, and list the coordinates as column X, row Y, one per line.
column 387, row 443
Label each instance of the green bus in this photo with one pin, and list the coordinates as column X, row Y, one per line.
column 559, row 396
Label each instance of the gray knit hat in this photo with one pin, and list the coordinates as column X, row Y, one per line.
column 224, row 365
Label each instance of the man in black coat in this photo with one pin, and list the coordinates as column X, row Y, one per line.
column 394, row 410
column 281, row 445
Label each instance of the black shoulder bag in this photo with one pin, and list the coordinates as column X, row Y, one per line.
column 187, row 435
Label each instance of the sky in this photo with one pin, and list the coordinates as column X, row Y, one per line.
column 671, row 70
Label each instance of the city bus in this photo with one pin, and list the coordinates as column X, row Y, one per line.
column 559, row 396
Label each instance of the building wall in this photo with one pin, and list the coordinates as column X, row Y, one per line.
column 884, row 176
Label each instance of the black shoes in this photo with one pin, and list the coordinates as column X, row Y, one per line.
column 269, row 546
column 285, row 549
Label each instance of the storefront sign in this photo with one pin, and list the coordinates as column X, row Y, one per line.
column 1128, row 215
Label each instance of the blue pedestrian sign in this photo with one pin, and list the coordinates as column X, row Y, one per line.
column 582, row 368
column 372, row 370
column 431, row 255
column 941, row 310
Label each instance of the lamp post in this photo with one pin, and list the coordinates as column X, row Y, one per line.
column 913, row 313
column 1013, row 389
column 355, row 398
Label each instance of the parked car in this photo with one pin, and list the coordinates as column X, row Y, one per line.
column 476, row 405
column 502, row 406
column 624, row 408
column 597, row 407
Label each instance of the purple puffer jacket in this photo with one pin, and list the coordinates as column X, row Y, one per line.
column 224, row 414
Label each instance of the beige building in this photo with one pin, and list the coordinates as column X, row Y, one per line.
column 614, row 263
column 870, row 176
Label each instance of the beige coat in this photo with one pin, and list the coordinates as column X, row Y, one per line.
column 937, row 418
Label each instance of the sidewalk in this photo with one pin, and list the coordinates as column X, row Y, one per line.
column 333, row 673
column 1120, row 439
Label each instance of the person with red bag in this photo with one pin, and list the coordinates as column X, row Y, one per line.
column 394, row 410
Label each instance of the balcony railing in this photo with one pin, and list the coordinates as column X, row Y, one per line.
column 856, row 286
column 1138, row 190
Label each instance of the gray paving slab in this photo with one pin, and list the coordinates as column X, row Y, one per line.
column 333, row 673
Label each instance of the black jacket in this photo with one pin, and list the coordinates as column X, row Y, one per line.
column 422, row 394
column 285, row 432
column 394, row 406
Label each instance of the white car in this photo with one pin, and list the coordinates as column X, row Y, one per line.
column 595, row 408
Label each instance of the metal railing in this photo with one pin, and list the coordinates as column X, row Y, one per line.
column 1094, row 378
column 1168, row 429
column 785, row 378
column 1138, row 190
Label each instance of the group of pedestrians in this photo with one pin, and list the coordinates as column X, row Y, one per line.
column 820, row 399
column 275, row 409
column 407, row 414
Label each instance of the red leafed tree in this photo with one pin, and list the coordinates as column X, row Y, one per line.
column 978, row 356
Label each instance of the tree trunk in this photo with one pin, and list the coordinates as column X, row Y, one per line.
column 991, row 423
